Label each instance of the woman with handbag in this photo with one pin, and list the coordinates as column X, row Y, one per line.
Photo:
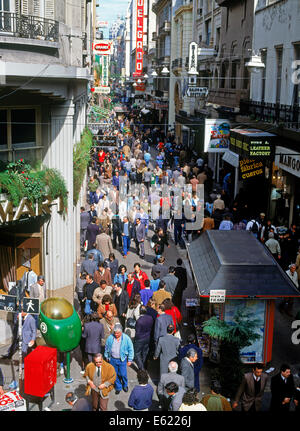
column 132, row 315
column 175, row 314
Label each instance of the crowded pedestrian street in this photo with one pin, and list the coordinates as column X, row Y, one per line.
column 149, row 209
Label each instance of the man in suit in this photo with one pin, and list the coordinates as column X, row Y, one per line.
column 187, row 368
column 162, row 321
column 78, row 404
column 104, row 244
column 92, row 213
column 160, row 268
column 167, row 349
column 121, row 301
column 171, row 281
column 251, row 389
column 191, row 339
column 28, row 333
column 29, row 278
column 84, row 222
column 171, row 376
column 100, row 377
column 139, row 237
column 108, row 322
column 175, row 393
column 93, row 333
column 282, row 389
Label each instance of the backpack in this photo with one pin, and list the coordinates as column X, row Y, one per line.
column 254, row 228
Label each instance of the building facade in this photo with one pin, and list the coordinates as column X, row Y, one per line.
column 45, row 48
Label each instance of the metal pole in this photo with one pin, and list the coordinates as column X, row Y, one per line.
column 68, row 378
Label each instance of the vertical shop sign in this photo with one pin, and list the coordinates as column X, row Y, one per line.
column 139, row 38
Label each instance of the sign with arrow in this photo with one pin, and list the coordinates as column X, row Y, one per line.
column 197, row 91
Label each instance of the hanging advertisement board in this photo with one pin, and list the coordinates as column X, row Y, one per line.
column 217, row 135
column 139, row 38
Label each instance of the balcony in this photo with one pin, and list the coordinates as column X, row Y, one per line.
column 287, row 115
column 177, row 65
column 29, row 27
column 227, row 97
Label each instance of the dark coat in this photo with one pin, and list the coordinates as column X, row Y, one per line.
column 135, row 289
column 281, row 390
column 181, row 274
column 93, row 333
column 121, row 302
column 82, row 405
column 92, row 231
column 161, row 269
column 161, row 324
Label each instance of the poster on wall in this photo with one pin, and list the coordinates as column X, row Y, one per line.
column 217, row 135
column 255, row 352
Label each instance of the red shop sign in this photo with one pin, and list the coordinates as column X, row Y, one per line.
column 139, row 38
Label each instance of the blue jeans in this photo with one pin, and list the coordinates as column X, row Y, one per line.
column 126, row 244
column 121, row 371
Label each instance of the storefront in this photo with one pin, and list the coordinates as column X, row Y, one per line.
column 285, row 192
column 236, row 263
column 256, row 150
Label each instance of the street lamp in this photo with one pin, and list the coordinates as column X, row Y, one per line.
column 255, row 64
column 165, row 71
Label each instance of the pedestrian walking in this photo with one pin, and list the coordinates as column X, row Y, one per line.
column 141, row 396
column 215, row 402
column 251, row 389
column 100, row 378
column 191, row 344
column 143, row 329
column 175, row 393
column 282, row 390
column 119, row 353
column 166, row 349
column 187, row 368
column 93, row 333
column 162, row 322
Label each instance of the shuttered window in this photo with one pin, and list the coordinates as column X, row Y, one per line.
column 49, row 9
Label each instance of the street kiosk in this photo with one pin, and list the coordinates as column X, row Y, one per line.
column 233, row 269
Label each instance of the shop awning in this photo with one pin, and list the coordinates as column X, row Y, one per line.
column 231, row 158
column 237, row 262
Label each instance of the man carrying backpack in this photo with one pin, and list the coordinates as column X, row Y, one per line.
column 254, row 227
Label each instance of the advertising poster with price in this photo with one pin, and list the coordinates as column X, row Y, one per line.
column 12, row 401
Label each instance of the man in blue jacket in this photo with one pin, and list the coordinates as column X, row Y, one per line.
column 119, row 353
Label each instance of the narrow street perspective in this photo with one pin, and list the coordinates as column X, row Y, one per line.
column 150, row 208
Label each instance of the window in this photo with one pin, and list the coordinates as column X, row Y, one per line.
column 223, row 75
column 19, row 134
column 263, row 78
column 5, row 19
column 208, row 31
column 279, row 73
column 234, row 70
column 246, row 77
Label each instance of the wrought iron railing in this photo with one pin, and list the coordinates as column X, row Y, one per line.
column 287, row 116
column 28, row 26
